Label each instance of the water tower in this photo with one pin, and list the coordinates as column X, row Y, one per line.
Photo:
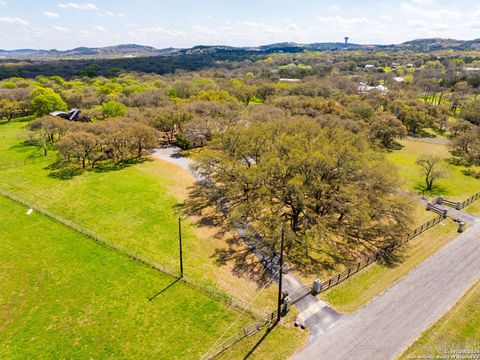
column 346, row 41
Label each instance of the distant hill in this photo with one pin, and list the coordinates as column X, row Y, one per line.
column 118, row 51
column 133, row 50
column 426, row 45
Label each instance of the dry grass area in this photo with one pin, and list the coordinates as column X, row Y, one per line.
column 212, row 239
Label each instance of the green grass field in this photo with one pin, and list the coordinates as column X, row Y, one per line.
column 64, row 296
column 364, row 286
column 136, row 208
column 455, row 185
column 459, row 329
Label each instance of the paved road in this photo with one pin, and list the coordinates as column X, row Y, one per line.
column 171, row 154
column 316, row 315
column 392, row 321
column 441, row 141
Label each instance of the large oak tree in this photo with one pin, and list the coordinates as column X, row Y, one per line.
column 335, row 193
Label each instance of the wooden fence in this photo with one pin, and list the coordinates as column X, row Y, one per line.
column 470, row 200
column 459, row 205
column 241, row 335
column 341, row 277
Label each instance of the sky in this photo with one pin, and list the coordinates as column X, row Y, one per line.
column 48, row 24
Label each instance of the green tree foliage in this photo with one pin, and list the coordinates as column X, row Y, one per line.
column 111, row 109
column 337, row 195
column 466, row 145
column 111, row 140
column 170, row 122
column 44, row 101
column 384, row 129
column 8, row 108
column 432, row 169
column 47, row 130
column 471, row 112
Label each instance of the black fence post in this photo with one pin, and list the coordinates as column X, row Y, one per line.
column 180, row 245
column 280, row 277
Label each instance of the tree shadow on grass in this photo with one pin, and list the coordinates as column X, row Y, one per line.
column 471, row 173
column 63, row 170
column 204, row 209
column 457, row 161
column 25, row 146
column 117, row 166
column 393, row 259
column 436, row 191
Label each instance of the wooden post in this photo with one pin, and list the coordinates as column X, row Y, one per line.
column 280, row 277
column 180, row 245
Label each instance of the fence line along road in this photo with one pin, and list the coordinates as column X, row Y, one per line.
column 458, row 205
column 341, row 277
column 241, row 335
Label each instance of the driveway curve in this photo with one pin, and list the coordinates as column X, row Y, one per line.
column 391, row 322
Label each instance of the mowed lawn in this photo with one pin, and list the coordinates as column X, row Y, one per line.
column 135, row 208
column 364, row 286
column 62, row 296
column 455, row 185
column 459, row 329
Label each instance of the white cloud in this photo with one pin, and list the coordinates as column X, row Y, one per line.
column 61, row 29
column 439, row 13
column 3, row 2
column 157, row 30
column 341, row 21
column 50, row 14
column 334, row 7
column 100, row 28
column 113, row 14
column 13, row 21
column 293, row 28
column 423, row 2
column 78, row 6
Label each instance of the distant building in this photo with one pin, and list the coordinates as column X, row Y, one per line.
column 369, row 66
column 468, row 69
column 365, row 89
column 289, row 80
column 72, row 115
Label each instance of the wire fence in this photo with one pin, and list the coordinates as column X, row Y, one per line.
column 241, row 335
column 234, row 303
column 16, row 164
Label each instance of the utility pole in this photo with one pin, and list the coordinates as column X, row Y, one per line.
column 180, row 243
column 280, row 276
